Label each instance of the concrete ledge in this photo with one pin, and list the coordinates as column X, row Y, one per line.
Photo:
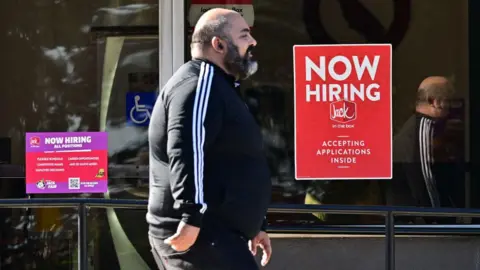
column 352, row 236
column 350, row 252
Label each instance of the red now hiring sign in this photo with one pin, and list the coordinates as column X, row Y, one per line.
column 198, row 7
column 343, row 111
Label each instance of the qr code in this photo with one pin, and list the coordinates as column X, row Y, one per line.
column 74, row 183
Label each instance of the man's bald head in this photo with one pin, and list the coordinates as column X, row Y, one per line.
column 213, row 23
column 434, row 88
column 434, row 96
column 214, row 14
column 223, row 37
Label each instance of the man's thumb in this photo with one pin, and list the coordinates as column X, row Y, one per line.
column 252, row 245
column 171, row 238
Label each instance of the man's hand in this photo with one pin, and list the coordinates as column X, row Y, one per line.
column 184, row 238
column 263, row 241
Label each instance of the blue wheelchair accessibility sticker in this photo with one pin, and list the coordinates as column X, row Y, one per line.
column 139, row 106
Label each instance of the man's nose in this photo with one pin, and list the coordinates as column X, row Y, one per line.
column 253, row 42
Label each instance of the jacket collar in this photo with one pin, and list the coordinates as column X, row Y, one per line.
column 219, row 71
column 419, row 114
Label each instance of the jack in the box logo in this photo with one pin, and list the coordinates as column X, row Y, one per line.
column 35, row 141
column 343, row 111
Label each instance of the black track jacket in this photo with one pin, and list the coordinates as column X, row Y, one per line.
column 207, row 162
column 419, row 179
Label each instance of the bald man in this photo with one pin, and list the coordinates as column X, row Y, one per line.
column 209, row 178
column 416, row 180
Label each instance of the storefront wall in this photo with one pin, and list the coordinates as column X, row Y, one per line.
column 69, row 64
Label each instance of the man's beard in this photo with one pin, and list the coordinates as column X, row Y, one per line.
column 241, row 67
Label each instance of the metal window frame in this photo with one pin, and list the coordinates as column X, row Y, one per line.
column 388, row 212
column 171, row 38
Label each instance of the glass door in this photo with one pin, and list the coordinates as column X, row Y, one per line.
column 128, row 69
column 133, row 62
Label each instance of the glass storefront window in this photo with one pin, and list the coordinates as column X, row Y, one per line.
column 425, row 43
column 61, row 44
column 67, row 67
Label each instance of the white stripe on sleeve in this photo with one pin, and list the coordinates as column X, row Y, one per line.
column 198, row 129
column 425, row 136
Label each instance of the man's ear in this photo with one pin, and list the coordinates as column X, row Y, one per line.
column 436, row 104
column 217, row 45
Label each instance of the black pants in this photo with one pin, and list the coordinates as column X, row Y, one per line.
column 214, row 250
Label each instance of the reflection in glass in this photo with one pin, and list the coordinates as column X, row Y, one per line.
column 422, row 42
column 48, row 242
column 126, row 13
column 128, row 239
column 129, row 64
column 55, row 51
